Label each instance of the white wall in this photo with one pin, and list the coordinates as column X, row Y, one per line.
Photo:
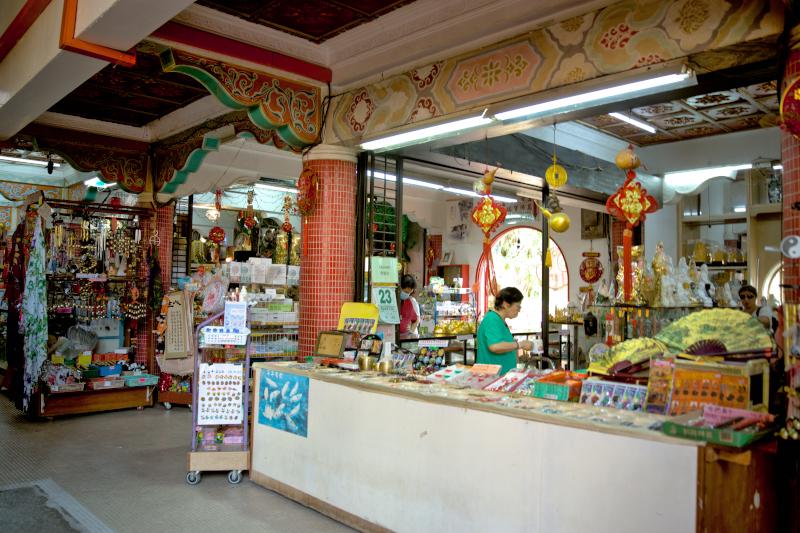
column 662, row 226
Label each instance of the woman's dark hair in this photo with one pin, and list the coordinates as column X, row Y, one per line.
column 408, row 282
column 748, row 288
column 510, row 295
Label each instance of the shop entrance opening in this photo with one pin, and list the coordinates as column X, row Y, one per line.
column 517, row 256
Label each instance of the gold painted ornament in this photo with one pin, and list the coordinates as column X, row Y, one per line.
column 627, row 159
column 555, row 175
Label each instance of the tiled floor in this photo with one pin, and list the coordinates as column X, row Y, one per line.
column 129, row 468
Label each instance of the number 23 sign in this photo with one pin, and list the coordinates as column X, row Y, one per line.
column 386, row 300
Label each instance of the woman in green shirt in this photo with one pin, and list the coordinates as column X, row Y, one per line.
column 496, row 345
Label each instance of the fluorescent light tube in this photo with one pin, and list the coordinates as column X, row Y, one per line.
column 740, row 209
column 419, row 183
column 276, row 188
column 575, row 102
column 97, row 182
column 687, row 181
column 425, row 134
column 632, row 121
column 465, row 192
column 23, row 161
column 777, row 167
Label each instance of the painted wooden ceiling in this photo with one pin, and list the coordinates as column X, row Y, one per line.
column 744, row 108
column 132, row 96
column 314, row 20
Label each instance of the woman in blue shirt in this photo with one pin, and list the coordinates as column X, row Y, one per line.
column 496, row 345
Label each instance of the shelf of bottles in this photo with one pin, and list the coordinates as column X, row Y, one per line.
column 617, row 323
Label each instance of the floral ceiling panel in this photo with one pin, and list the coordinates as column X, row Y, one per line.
column 132, row 96
column 314, row 20
column 755, row 106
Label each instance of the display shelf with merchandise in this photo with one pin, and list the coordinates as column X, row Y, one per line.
column 220, row 399
column 447, row 311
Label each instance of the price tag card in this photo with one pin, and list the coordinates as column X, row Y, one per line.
column 386, row 300
column 486, row 369
column 235, row 314
column 433, row 343
column 464, row 337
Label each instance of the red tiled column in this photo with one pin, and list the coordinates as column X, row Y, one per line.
column 164, row 225
column 326, row 273
column 790, row 158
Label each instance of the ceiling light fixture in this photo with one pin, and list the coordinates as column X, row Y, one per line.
column 426, row 134
column 436, row 186
column 622, row 90
column 740, row 209
column 687, row 181
column 633, row 122
column 276, row 188
column 777, row 167
column 97, row 183
column 465, row 192
column 24, row 161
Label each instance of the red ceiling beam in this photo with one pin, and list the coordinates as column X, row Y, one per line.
column 178, row 33
column 25, row 18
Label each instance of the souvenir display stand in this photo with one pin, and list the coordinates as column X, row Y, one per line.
column 97, row 299
column 553, row 466
column 221, row 400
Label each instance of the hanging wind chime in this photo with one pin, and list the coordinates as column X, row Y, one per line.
column 631, row 204
column 488, row 215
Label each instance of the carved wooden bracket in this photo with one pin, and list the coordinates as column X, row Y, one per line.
column 290, row 108
column 117, row 160
column 177, row 157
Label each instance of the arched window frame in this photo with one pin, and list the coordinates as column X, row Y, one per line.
column 481, row 278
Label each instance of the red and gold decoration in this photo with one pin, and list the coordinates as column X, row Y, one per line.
column 307, row 191
column 631, row 204
column 790, row 102
column 488, row 215
column 591, row 269
column 290, row 108
column 248, row 217
column 216, row 235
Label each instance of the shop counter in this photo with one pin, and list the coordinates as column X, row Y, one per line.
column 380, row 453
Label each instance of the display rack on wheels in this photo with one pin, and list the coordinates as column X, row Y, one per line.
column 221, row 397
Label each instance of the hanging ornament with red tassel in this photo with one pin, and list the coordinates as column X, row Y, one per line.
column 631, row 204
column 488, row 215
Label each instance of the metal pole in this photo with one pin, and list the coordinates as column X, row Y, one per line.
column 545, row 274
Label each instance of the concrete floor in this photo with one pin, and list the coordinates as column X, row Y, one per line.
column 129, row 468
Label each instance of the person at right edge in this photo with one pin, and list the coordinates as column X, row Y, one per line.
column 496, row 344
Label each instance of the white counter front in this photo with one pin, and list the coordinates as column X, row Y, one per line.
column 417, row 458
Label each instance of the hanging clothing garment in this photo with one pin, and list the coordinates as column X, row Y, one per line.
column 16, row 262
column 34, row 314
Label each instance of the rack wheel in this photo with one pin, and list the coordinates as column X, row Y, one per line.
column 167, row 406
column 193, row 478
column 235, row 476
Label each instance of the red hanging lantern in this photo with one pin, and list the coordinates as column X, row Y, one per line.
column 631, row 203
